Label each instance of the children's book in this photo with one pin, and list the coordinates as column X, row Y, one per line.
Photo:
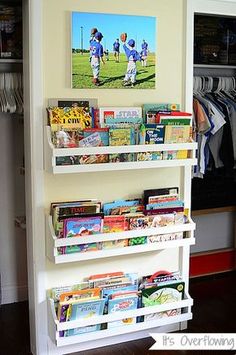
column 121, row 157
column 152, row 134
column 84, row 310
column 57, row 291
column 93, row 159
column 165, row 237
column 175, row 154
column 167, row 219
column 177, row 134
column 174, row 120
column 119, row 113
column 162, row 294
column 81, row 226
column 155, row 107
column 157, row 192
column 68, row 160
column 113, row 224
column 69, row 118
column 149, row 156
column 141, row 222
column 79, row 294
column 137, row 241
column 162, row 198
column 121, row 136
column 122, row 304
column 107, row 207
column 102, row 132
column 92, row 140
column 165, row 204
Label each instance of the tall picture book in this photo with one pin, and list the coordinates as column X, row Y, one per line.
column 122, row 303
column 177, row 134
column 84, row 310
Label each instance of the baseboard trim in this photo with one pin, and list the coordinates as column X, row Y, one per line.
column 212, row 262
column 12, row 294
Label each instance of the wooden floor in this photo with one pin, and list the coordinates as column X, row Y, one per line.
column 214, row 311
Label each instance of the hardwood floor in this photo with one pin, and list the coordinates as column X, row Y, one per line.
column 214, row 311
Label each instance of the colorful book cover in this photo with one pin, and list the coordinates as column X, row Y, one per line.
column 162, row 294
column 165, row 237
column 75, row 227
column 167, row 219
column 149, row 156
column 175, row 154
column 119, row 112
column 113, row 224
column 141, row 222
column 154, row 134
column 166, row 204
column 63, row 138
column 84, row 310
column 93, row 159
column 79, row 294
column 157, row 192
column 173, row 120
column 122, row 304
column 126, row 210
column 162, row 198
column 57, row 291
column 92, row 140
column 127, row 120
column 68, row 160
column 107, row 207
column 69, row 118
column 160, row 107
column 137, row 241
column 121, row 157
column 120, row 136
column 177, row 134
column 102, row 132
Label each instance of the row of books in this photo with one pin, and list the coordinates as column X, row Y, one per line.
column 116, row 292
column 121, row 157
column 157, row 208
column 75, row 127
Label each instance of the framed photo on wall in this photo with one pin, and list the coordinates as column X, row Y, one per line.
column 111, row 51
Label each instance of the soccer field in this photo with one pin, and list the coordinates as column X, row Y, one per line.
column 112, row 73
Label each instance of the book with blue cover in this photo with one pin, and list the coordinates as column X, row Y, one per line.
column 122, row 304
column 84, row 310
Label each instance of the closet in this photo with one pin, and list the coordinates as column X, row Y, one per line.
column 13, row 270
column 213, row 26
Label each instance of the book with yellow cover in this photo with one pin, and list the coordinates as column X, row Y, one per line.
column 177, row 134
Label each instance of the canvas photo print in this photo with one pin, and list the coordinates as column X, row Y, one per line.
column 113, row 51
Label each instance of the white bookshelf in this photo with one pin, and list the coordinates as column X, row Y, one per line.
column 51, row 154
column 52, row 242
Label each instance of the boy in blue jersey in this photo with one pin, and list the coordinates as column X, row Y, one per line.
column 133, row 56
column 144, row 53
column 116, row 49
column 96, row 57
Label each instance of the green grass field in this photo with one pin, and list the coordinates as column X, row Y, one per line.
column 112, row 73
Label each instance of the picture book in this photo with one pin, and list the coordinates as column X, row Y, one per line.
column 112, row 244
column 80, row 248
column 119, row 112
column 121, row 157
column 55, row 292
column 175, row 154
column 160, row 107
column 72, row 210
column 63, row 138
column 149, row 156
column 157, row 192
column 102, row 132
column 137, row 241
column 152, row 134
column 121, row 136
column 162, row 198
column 165, row 204
column 84, row 310
column 177, row 134
column 81, row 226
column 162, row 294
column 106, row 275
column 125, row 210
column 107, row 207
column 140, row 222
column 95, row 117
column 122, row 304
column 93, row 159
column 69, row 118
column 113, row 224
column 79, row 294
column 68, row 160
column 167, row 219
column 165, row 237
column 174, row 120
column 126, row 120
column 92, row 140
